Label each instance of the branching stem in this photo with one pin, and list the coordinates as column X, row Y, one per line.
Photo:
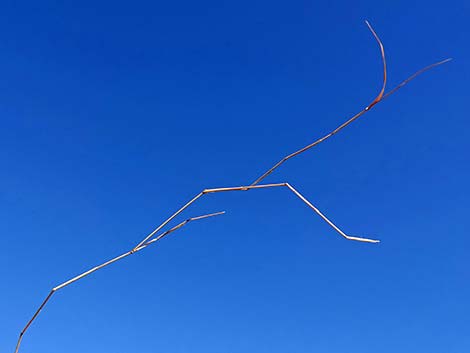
column 152, row 237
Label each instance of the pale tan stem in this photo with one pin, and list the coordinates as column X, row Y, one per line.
column 380, row 97
column 107, row 263
column 309, row 204
column 242, row 188
column 292, row 189
column 203, row 192
column 43, row 304
column 148, row 239
column 300, row 196
column 417, row 73
column 164, row 234
column 168, row 220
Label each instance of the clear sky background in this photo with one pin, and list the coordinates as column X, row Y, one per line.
column 114, row 114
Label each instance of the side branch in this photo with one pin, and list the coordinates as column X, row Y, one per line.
column 380, row 97
column 309, row 204
column 155, row 235
column 107, row 263
column 252, row 187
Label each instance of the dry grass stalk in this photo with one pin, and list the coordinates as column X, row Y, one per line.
column 151, row 238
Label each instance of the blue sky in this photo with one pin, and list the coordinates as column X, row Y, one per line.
column 114, row 114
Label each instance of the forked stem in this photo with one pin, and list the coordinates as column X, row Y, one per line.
column 99, row 267
column 380, row 97
column 152, row 238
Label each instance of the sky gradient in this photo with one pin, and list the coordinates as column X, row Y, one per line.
column 114, row 114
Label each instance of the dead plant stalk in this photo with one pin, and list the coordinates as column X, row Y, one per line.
column 153, row 237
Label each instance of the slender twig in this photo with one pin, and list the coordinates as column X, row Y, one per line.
column 417, row 73
column 380, row 97
column 99, row 267
column 203, row 192
column 152, row 237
